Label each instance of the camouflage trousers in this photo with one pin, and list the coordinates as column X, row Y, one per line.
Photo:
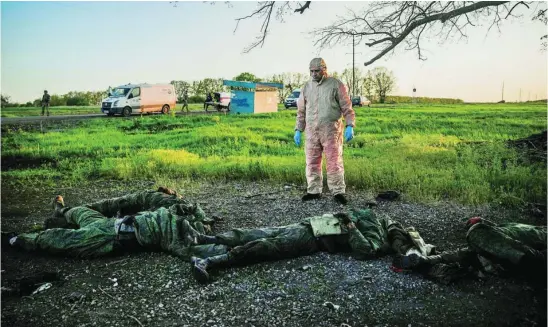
column 150, row 201
column 272, row 243
column 135, row 202
column 275, row 243
column 95, row 237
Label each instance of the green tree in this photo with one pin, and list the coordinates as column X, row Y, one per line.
column 180, row 88
column 368, row 85
column 5, row 100
column 384, row 82
column 290, row 81
column 247, row 77
column 57, row 100
column 347, row 78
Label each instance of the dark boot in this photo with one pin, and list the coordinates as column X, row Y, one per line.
column 200, row 266
column 341, row 198
column 388, row 195
column 310, row 196
column 415, row 260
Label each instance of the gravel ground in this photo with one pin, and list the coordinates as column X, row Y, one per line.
column 155, row 289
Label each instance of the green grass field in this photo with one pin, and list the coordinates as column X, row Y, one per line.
column 73, row 110
column 429, row 152
column 82, row 110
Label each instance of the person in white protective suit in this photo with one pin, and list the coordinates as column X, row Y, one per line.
column 322, row 103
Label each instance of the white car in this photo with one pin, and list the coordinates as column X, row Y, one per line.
column 221, row 101
column 360, row 101
column 291, row 100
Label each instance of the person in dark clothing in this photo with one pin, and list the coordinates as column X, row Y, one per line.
column 45, row 102
column 209, row 98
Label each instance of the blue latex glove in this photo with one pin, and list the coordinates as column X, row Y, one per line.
column 349, row 133
column 297, row 138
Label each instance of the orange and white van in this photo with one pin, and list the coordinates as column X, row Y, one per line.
column 140, row 98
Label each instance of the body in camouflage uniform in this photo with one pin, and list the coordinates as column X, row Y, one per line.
column 160, row 229
column 369, row 238
column 506, row 249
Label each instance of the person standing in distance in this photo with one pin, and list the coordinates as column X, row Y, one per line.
column 322, row 103
column 45, row 102
column 185, row 101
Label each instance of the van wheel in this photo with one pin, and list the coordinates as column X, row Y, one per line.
column 126, row 112
column 165, row 109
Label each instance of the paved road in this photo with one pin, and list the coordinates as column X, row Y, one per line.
column 39, row 119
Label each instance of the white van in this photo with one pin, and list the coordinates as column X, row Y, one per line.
column 140, row 98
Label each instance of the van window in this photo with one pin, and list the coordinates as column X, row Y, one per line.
column 295, row 94
column 119, row 91
column 136, row 92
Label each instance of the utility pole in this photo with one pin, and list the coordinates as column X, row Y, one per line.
column 502, row 90
column 353, row 65
column 353, row 68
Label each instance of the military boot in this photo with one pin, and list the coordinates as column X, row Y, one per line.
column 311, row 196
column 200, row 266
column 414, row 260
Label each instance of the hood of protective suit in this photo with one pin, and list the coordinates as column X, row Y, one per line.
column 318, row 63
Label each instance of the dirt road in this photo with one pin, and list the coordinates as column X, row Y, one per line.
column 41, row 119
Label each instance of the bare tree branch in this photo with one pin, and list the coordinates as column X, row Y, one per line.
column 264, row 10
column 384, row 25
column 303, row 8
column 517, row 4
column 389, row 30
